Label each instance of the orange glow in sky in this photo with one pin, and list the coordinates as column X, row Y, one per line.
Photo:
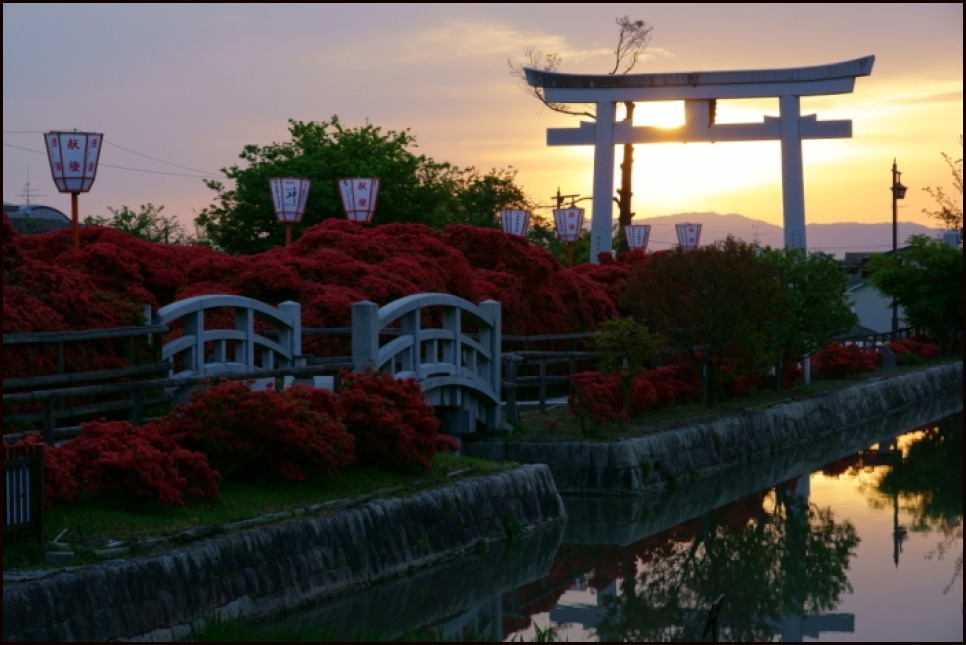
column 179, row 90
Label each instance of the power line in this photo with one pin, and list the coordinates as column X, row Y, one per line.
column 201, row 173
column 134, row 152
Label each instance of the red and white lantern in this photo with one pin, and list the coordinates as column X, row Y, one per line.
column 73, row 159
column 689, row 235
column 569, row 223
column 515, row 221
column 289, row 196
column 73, row 165
column 359, row 196
column 637, row 236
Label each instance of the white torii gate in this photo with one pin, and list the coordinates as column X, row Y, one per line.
column 699, row 91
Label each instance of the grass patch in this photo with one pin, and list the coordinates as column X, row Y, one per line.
column 92, row 524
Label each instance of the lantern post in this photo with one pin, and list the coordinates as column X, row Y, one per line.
column 359, row 195
column 898, row 192
column 289, row 196
column 637, row 236
column 73, row 160
column 515, row 221
column 570, row 224
column 689, row 235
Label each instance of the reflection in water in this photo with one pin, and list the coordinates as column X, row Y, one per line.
column 805, row 546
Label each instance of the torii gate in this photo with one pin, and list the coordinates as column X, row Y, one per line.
column 699, row 91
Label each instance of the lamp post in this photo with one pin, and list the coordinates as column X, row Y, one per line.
column 359, row 196
column 570, row 224
column 289, row 196
column 515, row 221
column 637, row 236
column 688, row 235
column 898, row 192
column 73, row 165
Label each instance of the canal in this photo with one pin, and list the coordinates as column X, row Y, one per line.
column 867, row 547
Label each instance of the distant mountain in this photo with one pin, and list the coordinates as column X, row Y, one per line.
column 836, row 239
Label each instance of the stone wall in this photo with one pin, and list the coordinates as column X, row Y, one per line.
column 652, row 463
column 269, row 570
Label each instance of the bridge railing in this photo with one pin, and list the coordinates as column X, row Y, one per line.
column 457, row 362
column 243, row 347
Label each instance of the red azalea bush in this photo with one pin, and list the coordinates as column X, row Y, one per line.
column 913, row 351
column 48, row 286
column 60, row 481
column 675, row 383
column 247, row 433
column 116, row 460
column 836, row 360
column 392, row 424
column 595, row 398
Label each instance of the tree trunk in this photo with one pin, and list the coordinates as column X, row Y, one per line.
column 624, row 193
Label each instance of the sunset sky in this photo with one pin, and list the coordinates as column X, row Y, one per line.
column 178, row 90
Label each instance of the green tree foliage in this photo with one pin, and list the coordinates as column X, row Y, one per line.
column 626, row 347
column 950, row 206
column 709, row 302
column 413, row 188
column 927, row 281
column 811, row 308
column 147, row 224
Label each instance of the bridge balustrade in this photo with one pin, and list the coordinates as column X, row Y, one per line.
column 459, row 370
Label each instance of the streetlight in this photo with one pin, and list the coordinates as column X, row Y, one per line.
column 73, row 164
column 288, row 197
column 570, row 224
column 637, row 236
column 688, row 235
column 359, row 196
column 898, row 192
column 515, row 221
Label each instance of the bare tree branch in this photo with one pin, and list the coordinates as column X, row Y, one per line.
column 550, row 62
column 950, row 211
column 633, row 39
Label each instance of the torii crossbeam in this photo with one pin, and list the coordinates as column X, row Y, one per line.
column 699, row 91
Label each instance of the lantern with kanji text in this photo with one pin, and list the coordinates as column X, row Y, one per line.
column 515, row 221
column 689, row 235
column 289, row 196
column 359, row 196
column 637, row 236
column 570, row 224
column 73, row 160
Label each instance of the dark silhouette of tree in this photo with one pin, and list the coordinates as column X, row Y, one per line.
column 811, row 308
column 711, row 303
column 632, row 40
column 414, row 188
column 147, row 224
column 927, row 281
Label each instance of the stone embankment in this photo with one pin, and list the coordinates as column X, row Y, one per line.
column 639, row 466
column 274, row 569
column 270, row 570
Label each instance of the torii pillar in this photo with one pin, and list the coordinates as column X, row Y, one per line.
column 699, row 91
